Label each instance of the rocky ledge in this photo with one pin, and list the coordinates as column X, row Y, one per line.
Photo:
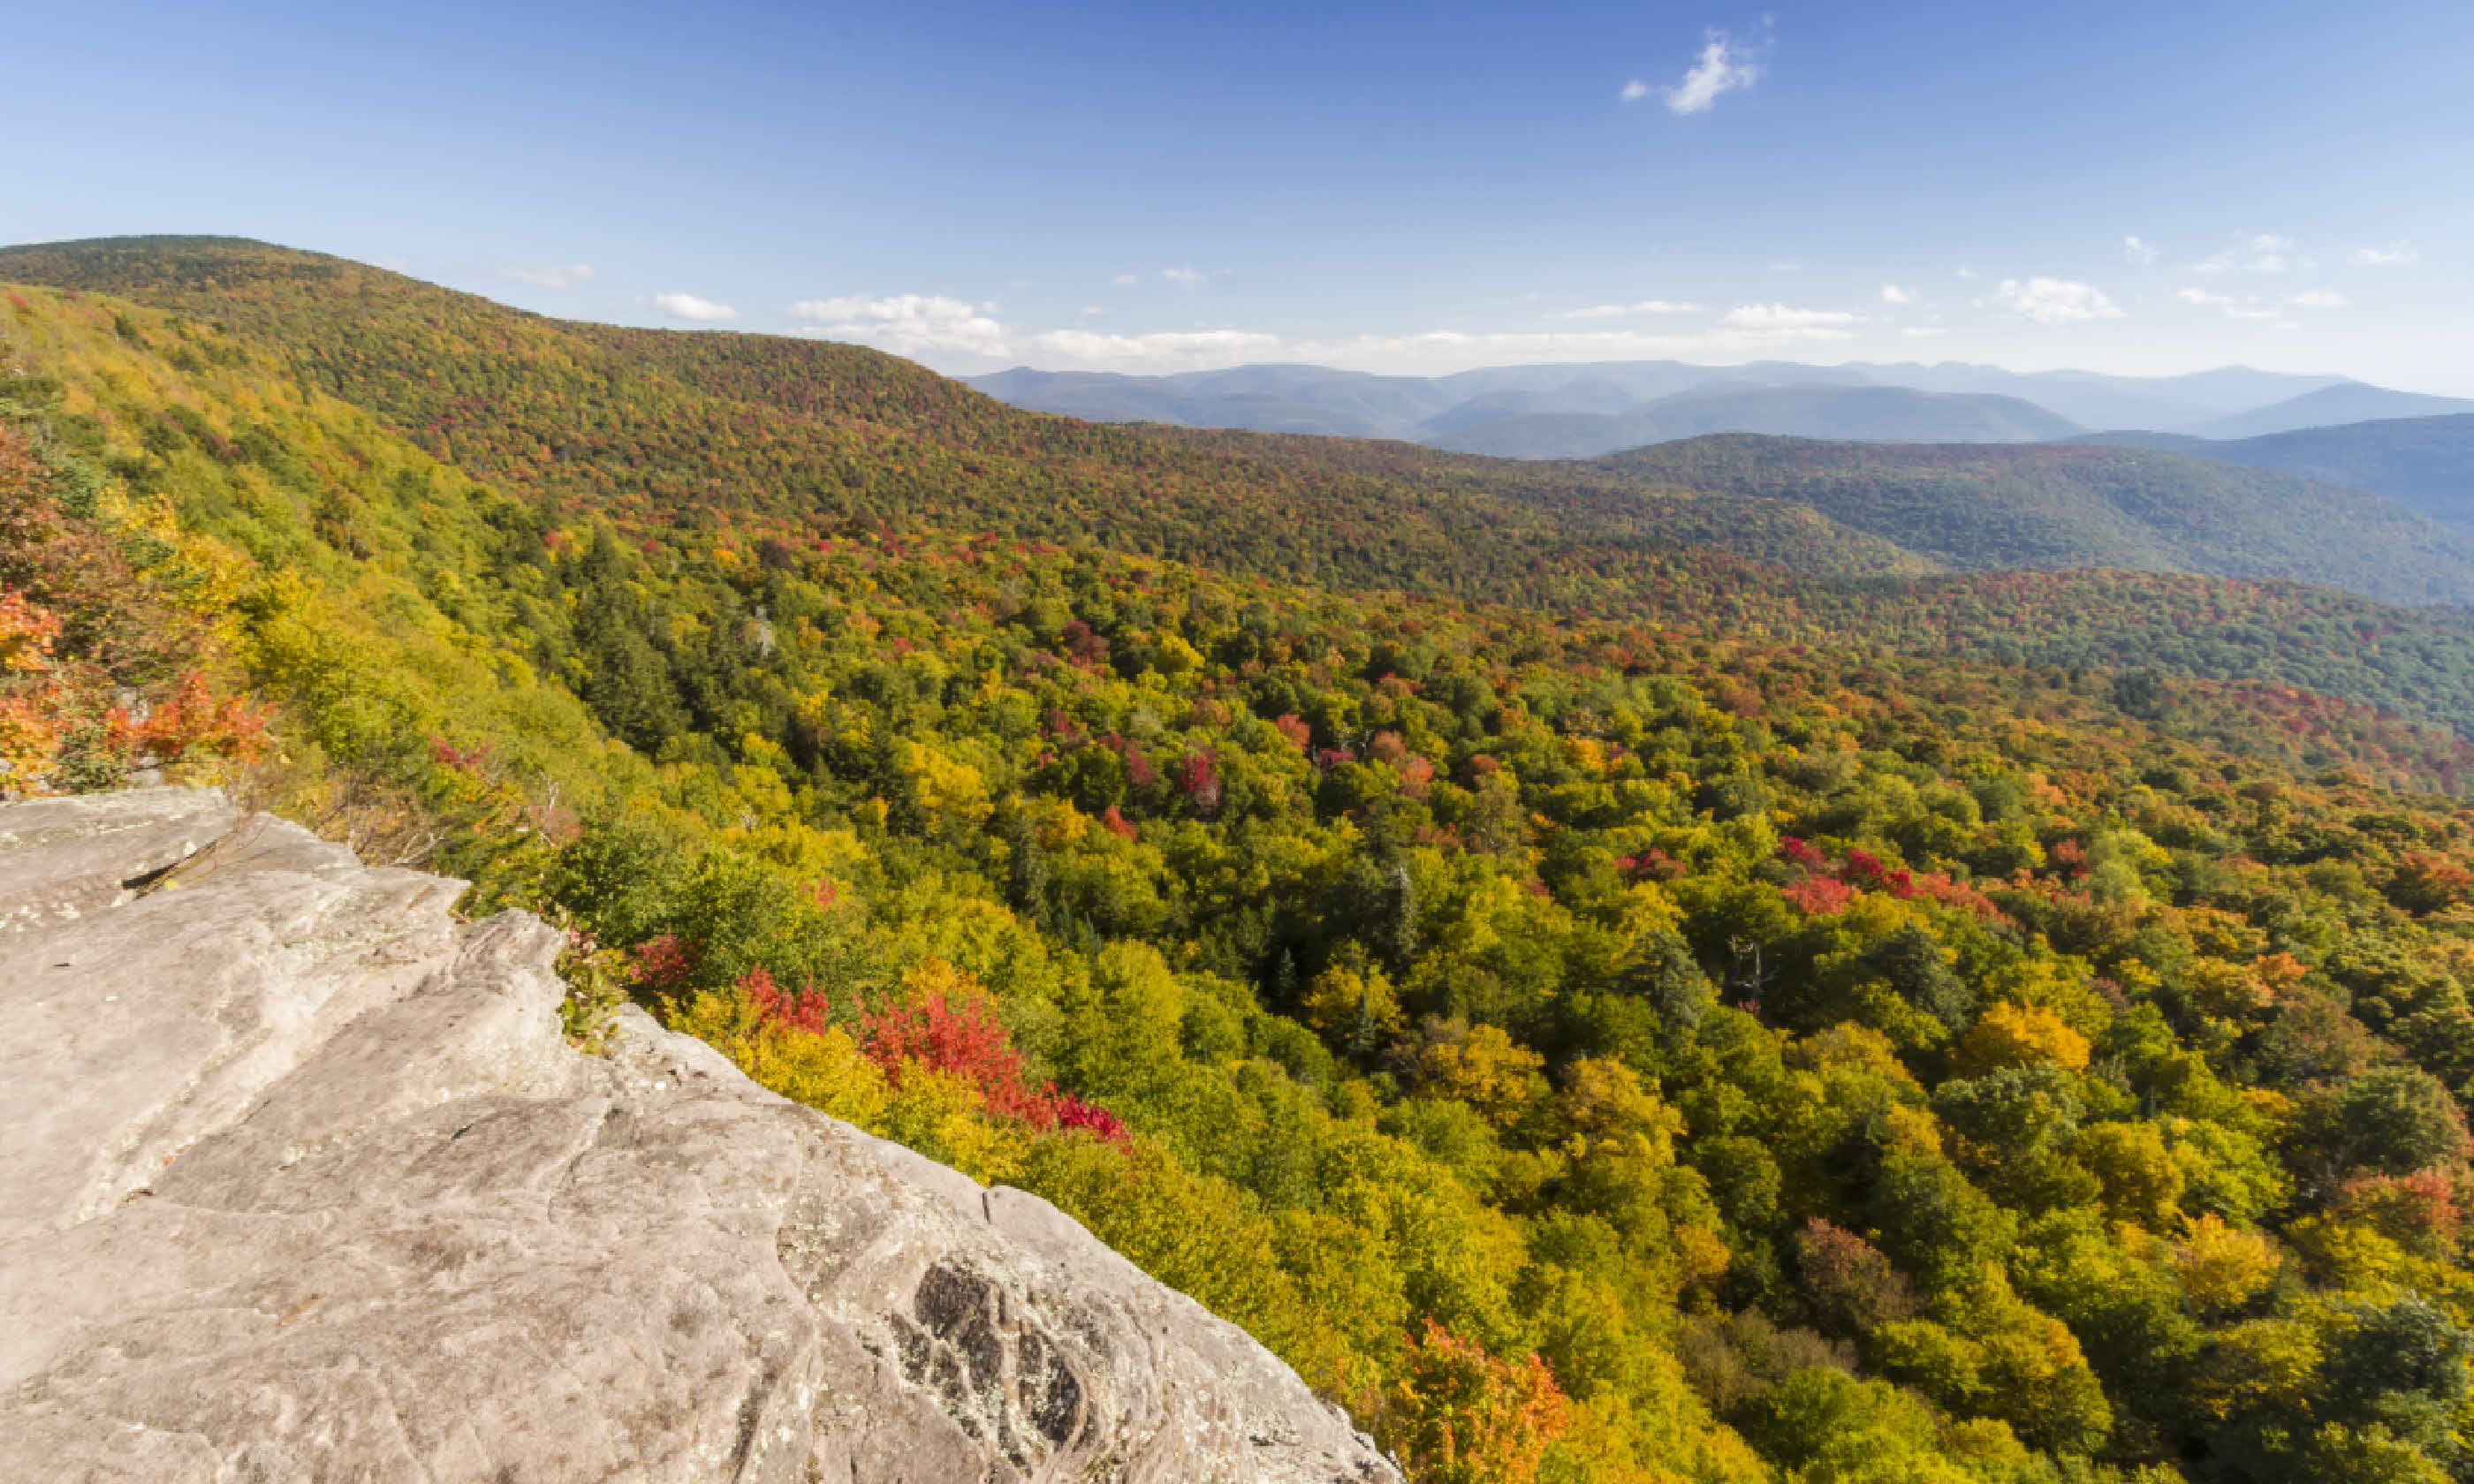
column 298, row 1180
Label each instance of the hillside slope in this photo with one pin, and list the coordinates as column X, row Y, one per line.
column 2424, row 463
column 2066, row 506
column 669, row 433
column 668, row 427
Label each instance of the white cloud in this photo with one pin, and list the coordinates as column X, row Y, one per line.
column 1726, row 65
column 1126, row 281
column 2397, row 254
column 2245, row 308
column 1635, row 90
column 2055, row 301
column 549, row 275
column 1966, row 271
column 1189, row 277
column 911, row 324
column 1094, row 311
column 1892, row 294
column 2140, row 252
column 687, row 306
column 1173, row 351
column 2262, row 253
column 1617, row 311
column 1772, row 318
column 1922, row 331
column 2319, row 299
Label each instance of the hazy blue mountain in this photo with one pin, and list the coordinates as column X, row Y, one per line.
column 1267, row 398
column 2351, row 402
column 1560, row 410
column 1857, row 413
column 2426, row 464
column 2096, row 400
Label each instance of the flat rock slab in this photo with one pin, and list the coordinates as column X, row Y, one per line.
column 298, row 1180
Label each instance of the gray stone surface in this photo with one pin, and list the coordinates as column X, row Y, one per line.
column 300, row 1182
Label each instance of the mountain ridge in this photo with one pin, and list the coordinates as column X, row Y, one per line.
column 1394, row 406
column 676, row 430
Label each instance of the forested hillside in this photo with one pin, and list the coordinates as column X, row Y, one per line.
column 2078, row 506
column 2422, row 463
column 673, row 430
column 1666, row 1035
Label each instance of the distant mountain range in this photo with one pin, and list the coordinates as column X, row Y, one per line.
column 1864, row 414
column 1585, row 410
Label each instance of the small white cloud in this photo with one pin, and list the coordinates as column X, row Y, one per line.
column 550, row 275
column 1892, row 294
column 688, row 306
column 2054, row 300
column 1093, row 311
column 2263, row 253
column 1189, row 277
column 1726, row 65
column 1635, row 90
column 1126, row 281
column 1617, row 311
column 1782, row 317
column 2319, row 299
column 1922, row 331
column 2397, row 254
column 911, row 324
column 2245, row 308
column 1171, row 350
column 1966, row 271
column 2139, row 251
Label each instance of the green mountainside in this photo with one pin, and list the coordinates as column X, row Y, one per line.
column 2424, row 463
column 1666, row 1018
column 2073, row 506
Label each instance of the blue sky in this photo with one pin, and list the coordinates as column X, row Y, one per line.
column 2143, row 188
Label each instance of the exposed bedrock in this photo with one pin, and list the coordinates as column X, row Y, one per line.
column 299, row 1181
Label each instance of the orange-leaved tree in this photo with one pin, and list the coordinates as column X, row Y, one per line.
column 1456, row 1415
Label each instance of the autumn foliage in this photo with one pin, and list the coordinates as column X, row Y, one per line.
column 1458, row 1414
